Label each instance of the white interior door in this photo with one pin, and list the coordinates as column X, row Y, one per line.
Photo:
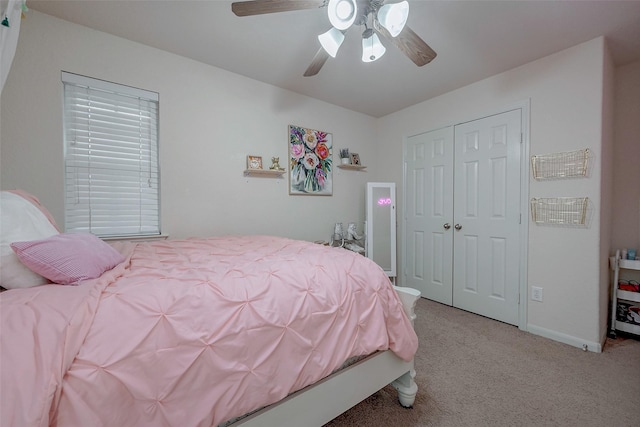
column 462, row 215
column 486, row 262
column 429, row 213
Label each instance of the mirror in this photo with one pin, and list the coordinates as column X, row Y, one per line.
column 381, row 225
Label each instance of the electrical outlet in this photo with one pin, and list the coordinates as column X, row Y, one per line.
column 536, row 293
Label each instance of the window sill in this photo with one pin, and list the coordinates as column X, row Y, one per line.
column 136, row 238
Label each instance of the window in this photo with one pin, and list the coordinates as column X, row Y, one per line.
column 112, row 176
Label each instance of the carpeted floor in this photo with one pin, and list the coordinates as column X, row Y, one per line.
column 473, row 371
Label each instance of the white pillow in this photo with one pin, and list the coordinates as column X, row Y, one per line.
column 20, row 220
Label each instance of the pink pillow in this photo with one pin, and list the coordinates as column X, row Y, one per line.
column 68, row 258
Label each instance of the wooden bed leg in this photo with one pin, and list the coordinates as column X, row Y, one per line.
column 407, row 388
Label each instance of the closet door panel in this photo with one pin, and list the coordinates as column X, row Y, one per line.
column 428, row 208
column 498, row 268
column 468, row 276
column 487, row 213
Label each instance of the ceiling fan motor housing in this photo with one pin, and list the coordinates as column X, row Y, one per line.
column 342, row 13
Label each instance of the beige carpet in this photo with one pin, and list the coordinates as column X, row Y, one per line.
column 473, row 371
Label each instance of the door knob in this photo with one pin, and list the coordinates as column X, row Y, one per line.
column 447, row 226
column 457, row 227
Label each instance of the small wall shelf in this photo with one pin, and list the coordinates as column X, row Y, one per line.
column 352, row 167
column 263, row 172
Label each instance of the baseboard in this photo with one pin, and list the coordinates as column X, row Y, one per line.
column 566, row 339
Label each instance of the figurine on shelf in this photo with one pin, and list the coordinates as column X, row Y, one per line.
column 276, row 164
column 352, row 234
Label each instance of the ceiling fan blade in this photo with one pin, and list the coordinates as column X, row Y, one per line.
column 410, row 44
column 259, row 7
column 317, row 62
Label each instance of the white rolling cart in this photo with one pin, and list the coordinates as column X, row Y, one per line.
column 618, row 294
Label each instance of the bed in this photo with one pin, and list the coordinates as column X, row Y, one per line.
column 219, row 331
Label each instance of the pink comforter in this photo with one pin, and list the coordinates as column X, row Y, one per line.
column 192, row 333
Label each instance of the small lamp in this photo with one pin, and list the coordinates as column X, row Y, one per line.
column 338, row 234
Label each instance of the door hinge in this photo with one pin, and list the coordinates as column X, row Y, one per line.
column 521, row 138
column 520, row 221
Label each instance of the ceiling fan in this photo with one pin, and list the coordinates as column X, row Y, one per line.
column 388, row 20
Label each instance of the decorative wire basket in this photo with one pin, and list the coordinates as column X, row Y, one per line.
column 569, row 164
column 560, row 210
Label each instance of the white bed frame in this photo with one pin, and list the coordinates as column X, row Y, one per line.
column 321, row 402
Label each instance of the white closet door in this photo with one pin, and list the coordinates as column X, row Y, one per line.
column 429, row 214
column 487, row 216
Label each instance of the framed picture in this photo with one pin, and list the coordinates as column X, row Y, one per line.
column 254, row 162
column 310, row 162
column 355, row 159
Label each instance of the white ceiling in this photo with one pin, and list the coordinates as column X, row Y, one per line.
column 473, row 39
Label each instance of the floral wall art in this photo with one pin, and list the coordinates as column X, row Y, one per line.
column 310, row 162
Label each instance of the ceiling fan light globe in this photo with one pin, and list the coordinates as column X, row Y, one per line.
column 372, row 48
column 331, row 41
column 342, row 13
column 394, row 16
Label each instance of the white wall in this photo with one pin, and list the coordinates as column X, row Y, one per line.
column 565, row 92
column 210, row 120
column 626, row 163
column 625, row 199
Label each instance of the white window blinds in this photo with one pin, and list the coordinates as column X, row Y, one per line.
column 111, row 158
